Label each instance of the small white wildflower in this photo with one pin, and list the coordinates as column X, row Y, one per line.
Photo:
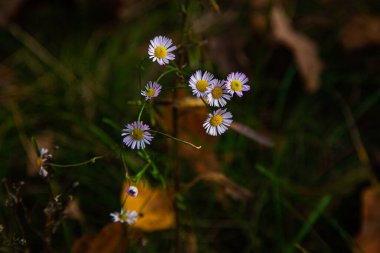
column 160, row 49
column 136, row 135
column 132, row 191
column 199, row 83
column 218, row 122
column 117, row 217
column 152, row 89
column 129, row 217
column 217, row 94
column 42, row 161
column 236, row 83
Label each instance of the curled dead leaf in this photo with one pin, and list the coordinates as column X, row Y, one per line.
column 251, row 134
column 154, row 205
column 230, row 188
column 303, row 48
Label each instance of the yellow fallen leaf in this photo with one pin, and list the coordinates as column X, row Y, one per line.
column 154, row 205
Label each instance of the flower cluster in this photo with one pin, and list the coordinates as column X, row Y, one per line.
column 42, row 160
column 215, row 92
column 126, row 216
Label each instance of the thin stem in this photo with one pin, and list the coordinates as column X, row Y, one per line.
column 165, row 73
column 176, row 139
column 141, row 111
column 92, row 160
column 175, row 114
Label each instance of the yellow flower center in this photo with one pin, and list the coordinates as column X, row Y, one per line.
column 201, row 85
column 39, row 161
column 150, row 92
column 137, row 134
column 236, row 85
column 216, row 120
column 160, row 52
column 217, row 92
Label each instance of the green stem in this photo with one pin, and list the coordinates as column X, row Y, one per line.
column 92, row 160
column 141, row 111
column 165, row 73
column 174, row 138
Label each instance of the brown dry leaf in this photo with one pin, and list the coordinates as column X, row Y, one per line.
column 111, row 239
column 73, row 211
column 251, row 134
column 258, row 15
column 361, row 31
column 369, row 235
column 304, row 49
column 154, row 205
column 231, row 188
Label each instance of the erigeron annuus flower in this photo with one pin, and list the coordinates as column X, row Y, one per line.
column 199, row 83
column 132, row 191
column 152, row 89
column 42, row 160
column 160, row 49
column 217, row 94
column 236, row 83
column 136, row 135
column 129, row 217
column 217, row 122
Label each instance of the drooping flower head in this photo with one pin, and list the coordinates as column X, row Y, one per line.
column 152, row 89
column 42, row 160
column 160, row 49
column 136, row 135
column 236, row 83
column 217, row 94
column 199, row 83
column 217, row 122
column 129, row 217
column 132, row 191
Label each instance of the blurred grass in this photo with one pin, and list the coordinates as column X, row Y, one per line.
column 72, row 77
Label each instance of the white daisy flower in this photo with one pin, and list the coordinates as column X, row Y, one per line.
column 152, row 89
column 129, row 217
column 132, row 191
column 217, row 122
column 236, row 83
column 199, row 83
column 160, row 48
column 117, row 217
column 217, row 94
column 136, row 135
